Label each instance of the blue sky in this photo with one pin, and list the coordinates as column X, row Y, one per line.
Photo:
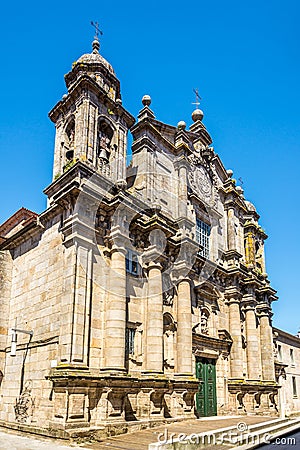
column 244, row 58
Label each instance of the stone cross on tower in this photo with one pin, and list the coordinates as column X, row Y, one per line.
column 198, row 98
column 97, row 29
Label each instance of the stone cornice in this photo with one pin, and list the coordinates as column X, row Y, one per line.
column 148, row 124
column 286, row 335
column 213, row 343
column 75, row 93
column 22, row 235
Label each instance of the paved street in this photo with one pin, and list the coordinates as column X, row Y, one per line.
column 12, row 441
column 130, row 441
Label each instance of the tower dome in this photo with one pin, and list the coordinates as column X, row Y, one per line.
column 94, row 65
column 95, row 58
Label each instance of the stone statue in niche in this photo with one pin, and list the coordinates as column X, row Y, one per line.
column 204, row 322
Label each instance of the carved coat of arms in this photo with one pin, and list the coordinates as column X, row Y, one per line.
column 201, row 183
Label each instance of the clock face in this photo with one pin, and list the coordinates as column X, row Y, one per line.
column 200, row 182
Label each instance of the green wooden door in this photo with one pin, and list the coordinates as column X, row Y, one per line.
column 206, row 397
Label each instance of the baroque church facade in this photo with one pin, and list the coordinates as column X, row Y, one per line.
column 141, row 292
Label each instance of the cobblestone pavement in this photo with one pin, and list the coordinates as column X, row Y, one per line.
column 12, row 441
column 139, row 440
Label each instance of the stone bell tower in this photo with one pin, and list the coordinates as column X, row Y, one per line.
column 91, row 123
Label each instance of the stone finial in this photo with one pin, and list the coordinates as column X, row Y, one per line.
column 96, row 46
column 146, row 100
column 181, row 125
column 197, row 114
column 229, row 173
column 240, row 190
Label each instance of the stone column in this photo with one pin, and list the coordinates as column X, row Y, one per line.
column 182, row 186
column 184, row 328
column 236, row 356
column 154, row 318
column 266, row 345
column 252, row 349
column 115, row 313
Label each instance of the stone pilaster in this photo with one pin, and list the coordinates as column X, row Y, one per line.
column 76, row 304
column 184, row 328
column 181, row 164
column 252, row 348
column 231, row 232
column 5, row 292
column 266, row 344
column 236, row 356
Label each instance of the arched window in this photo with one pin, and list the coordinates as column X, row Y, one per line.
column 105, row 134
column 69, row 140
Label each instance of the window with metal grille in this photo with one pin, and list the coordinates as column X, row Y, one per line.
column 294, row 386
column 292, row 357
column 202, row 237
column 130, row 334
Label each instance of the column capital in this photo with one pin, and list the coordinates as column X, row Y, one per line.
column 181, row 160
column 233, row 295
column 264, row 310
column 119, row 239
column 116, row 248
column 249, row 301
column 153, row 265
column 153, row 256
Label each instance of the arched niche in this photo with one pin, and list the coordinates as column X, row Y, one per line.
column 169, row 329
column 69, row 136
column 105, row 132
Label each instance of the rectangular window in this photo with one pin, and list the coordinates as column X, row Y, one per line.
column 202, row 237
column 294, row 384
column 132, row 263
column 279, row 353
column 130, row 334
column 292, row 356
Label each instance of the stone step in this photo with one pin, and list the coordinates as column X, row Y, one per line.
column 151, row 438
column 268, row 433
column 228, row 437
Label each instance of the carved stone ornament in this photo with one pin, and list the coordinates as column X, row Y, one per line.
column 200, row 183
